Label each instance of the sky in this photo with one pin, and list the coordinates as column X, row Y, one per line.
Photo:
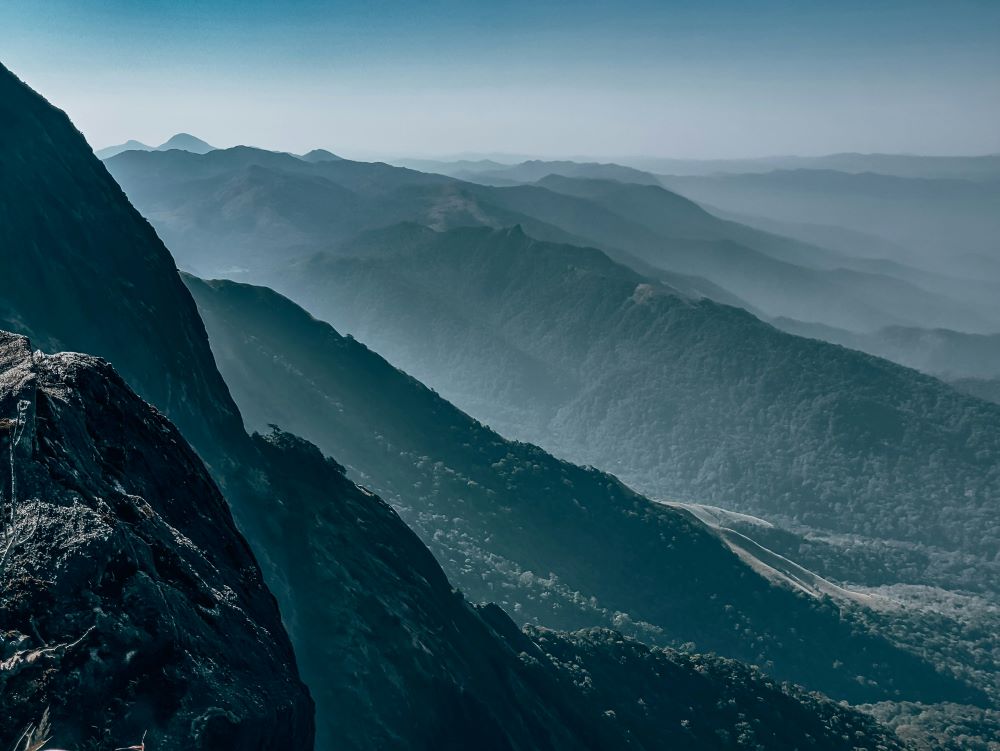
column 547, row 78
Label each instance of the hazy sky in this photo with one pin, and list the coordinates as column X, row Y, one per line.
column 545, row 77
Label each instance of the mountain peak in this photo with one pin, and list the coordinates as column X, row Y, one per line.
column 186, row 142
column 321, row 155
column 130, row 145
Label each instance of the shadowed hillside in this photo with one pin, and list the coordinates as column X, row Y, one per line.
column 684, row 398
column 554, row 544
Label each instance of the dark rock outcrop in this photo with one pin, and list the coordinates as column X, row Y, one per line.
column 129, row 602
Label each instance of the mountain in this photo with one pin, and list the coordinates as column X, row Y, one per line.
column 950, row 355
column 984, row 388
column 672, row 215
column 860, row 251
column 488, row 507
column 949, row 225
column 775, row 272
column 392, row 653
column 130, row 145
column 185, row 142
column 376, row 680
column 682, row 398
column 180, row 142
column 423, row 669
column 82, row 269
column 852, row 245
column 757, row 712
column 447, row 167
column 244, row 206
column 533, row 170
column 102, row 258
column 132, row 608
column 986, row 167
column 107, row 479
column 239, row 211
column 320, row 155
column 496, row 375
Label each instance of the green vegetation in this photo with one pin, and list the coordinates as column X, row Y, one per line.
column 554, row 544
column 681, row 398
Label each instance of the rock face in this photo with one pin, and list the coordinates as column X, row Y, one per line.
column 129, row 602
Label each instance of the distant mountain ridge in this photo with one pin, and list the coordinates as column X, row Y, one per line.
column 179, row 141
column 946, row 354
column 985, row 167
column 530, row 402
column 130, row 145
column 683, row 399
column 534, row 170
column 776, row 272
column 949, row 224
column 321, row 155
column 238, row 210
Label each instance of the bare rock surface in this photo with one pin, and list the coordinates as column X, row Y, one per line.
column 129, row 602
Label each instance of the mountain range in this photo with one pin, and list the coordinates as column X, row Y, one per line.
column 606, row 328
column 950, row 355
column 239, row 210
column 392, row 654
column 683, row 398
column 945, row 224
column 493, row 173
column 985, row 167
column 496, row 374
column 512, row 524
column 179, row 141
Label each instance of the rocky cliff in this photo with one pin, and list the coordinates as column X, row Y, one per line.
column 129, row 602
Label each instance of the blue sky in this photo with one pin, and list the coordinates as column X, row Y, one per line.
column 551, row 78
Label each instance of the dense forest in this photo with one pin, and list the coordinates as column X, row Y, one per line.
column 682, row 398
